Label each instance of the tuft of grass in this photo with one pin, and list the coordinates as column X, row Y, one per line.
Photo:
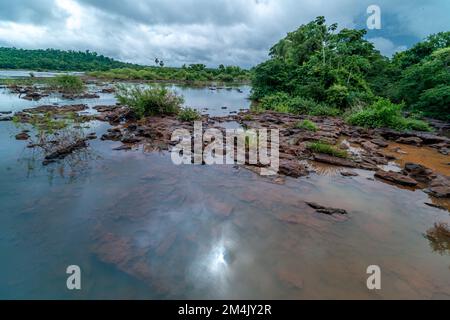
column 321, row 147
column 385, row 114
column 68, row 84
column 150, row 101
column 307, row 125
column 439, row 237
column 189, row 115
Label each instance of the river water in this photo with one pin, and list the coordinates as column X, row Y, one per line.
column 140, row 227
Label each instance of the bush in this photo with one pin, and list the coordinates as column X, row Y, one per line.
column 68, row 84
column 307, row 125
column 149, row 102
column 189, row 115
column 385, row 114
column 321, row 147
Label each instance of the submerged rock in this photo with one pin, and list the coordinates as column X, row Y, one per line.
column 326, row 210
column 22, row 136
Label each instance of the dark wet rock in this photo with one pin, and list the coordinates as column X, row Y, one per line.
column 5, row 112
column 57, row 109
column 110, row 108
column 326, row 210
column 6, row 119
column 91, row 136
column 444, row 151
column 108, row 90
column 419, row 172
column 113, row 134
column 123, row 148
column 334, row 160
column 415, row 141
column 80, row 96
column 130, row 138
column 65, row 150
column 292, row 168
column 33, row 96
column 396, row 178
column 22, row 136
column 435, row 206
column 380, row 143
column 349, row 174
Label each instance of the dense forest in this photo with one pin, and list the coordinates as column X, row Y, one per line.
column 191, row 74
column 319, row 70
column 57, row 60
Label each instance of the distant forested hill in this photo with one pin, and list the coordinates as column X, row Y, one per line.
column 57, row 60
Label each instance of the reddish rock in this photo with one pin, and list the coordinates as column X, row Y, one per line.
column 324, row 158
column 415, row 141
column 292, row 168
column 22, row 136
column 396, row 178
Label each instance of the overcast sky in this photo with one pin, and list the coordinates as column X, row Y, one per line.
column 238, row 32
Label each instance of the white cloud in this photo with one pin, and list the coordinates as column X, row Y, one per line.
column 212, row 32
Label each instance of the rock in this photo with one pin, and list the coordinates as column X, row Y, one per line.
column 5, row 112
column 22, row 136
column 396, row 178
column 439, row 187
column 326, row 210
column 349, row 174
column 102, row 109
column 444, row 151
column 419, row 172
column 369, row 146
column 6, row 118
column 415, row 141
column 292, row 168
column 130, row 138
column 64, row 151
column 57, row 109
column 91, row 136
column 33, row 96
column 122, row 147
column 334, row 160
column 380, row 142
column 435, row 206
column 108, row 90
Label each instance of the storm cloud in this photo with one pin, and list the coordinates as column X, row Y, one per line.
column 238, row 32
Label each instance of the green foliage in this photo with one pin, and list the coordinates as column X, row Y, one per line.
column 321, row 147
column 189, row 115
column 340, row 70
column 57, row 60
column 67, row 83
column 425, row 86
column 307, row 125
column 282, row 102
column 150, row 101
column 385, row 114
column 317, row 63
column 196, row 73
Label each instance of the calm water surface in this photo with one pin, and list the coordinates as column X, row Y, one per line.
column 140, row 227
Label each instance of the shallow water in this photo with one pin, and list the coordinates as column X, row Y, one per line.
column 140, row 227
column 215, row 103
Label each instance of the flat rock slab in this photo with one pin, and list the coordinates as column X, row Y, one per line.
column 324, row 158
column 396, row 178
